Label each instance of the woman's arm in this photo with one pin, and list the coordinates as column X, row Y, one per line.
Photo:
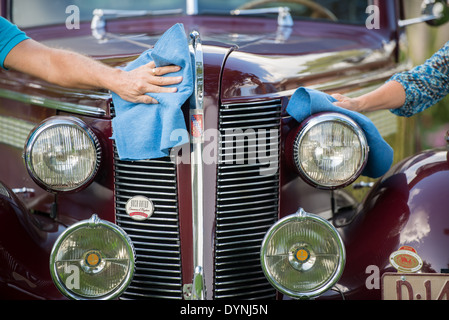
column 70, row 69
column 409, row 92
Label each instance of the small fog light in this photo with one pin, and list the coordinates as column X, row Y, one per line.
column 302, row 255
column 93, row 259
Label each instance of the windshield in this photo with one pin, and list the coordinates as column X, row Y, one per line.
column 26, row 13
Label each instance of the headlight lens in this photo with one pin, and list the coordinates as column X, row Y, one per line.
column 330, row 151
column 93, row 259
column 62, row 154
column 303, row 255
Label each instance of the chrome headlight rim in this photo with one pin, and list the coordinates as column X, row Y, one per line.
column 54, row 122
column 93, row 221
column 320, row 118
column 301, row 214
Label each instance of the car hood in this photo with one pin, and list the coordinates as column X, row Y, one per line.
column 255, row 56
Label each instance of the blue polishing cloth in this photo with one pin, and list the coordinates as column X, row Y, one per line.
column 305, row 102
column 148, row 131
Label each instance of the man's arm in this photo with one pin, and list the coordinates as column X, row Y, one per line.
column 70, row 69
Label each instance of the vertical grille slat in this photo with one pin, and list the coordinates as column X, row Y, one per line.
column 156, row 240
column 247, row 197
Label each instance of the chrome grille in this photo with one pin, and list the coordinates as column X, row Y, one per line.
column 156, row 240
column 247, row 197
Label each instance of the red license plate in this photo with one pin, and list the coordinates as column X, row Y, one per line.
column 415, row 286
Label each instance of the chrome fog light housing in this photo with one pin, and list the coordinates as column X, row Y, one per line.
column 62, row 154
column 92, row 259
column 330, row 151
column 303, row 255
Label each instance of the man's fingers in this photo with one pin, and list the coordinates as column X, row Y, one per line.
column 160, row 71
column 161, row 81
column 146, row 99
column 157, row 73
column 167, row 69
column 157, row 89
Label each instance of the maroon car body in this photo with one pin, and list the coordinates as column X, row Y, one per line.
column 248, row 61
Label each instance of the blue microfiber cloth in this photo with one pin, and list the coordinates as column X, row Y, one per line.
column 305, row 102
column 143, row 131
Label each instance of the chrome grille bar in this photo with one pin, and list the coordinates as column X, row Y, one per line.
column 156, row 240
column 247, row 198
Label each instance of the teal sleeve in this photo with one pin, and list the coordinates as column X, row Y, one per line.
column 10, row 36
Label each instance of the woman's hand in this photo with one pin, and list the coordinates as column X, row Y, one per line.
column 353, row 104
column 390, row 95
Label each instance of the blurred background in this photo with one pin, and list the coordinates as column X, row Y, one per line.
column 424, row 40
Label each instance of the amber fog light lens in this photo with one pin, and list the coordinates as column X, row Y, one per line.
column 330, row 151
column 93, row 259
column 62, row 154
column 303, row 255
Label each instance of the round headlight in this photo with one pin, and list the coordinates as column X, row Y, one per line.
column 330, row 151
column 93, row 259
column 302, row 255
column 62, row 154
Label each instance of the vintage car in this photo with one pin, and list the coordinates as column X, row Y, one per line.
column 265, row 207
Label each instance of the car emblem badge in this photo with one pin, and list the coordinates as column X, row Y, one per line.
column 196, row 125
column 139, row 208
column 406, row 259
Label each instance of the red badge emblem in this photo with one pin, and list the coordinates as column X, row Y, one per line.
column 406, row 259
column 196, row 125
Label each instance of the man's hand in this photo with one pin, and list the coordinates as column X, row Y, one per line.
column 133, row 85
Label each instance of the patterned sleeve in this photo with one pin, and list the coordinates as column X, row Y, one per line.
column 425, row 84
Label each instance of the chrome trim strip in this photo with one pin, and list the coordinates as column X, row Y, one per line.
column 424, row 18
column 284, row 17
column 52, row 104
column 14, row 132
column 196, row 143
